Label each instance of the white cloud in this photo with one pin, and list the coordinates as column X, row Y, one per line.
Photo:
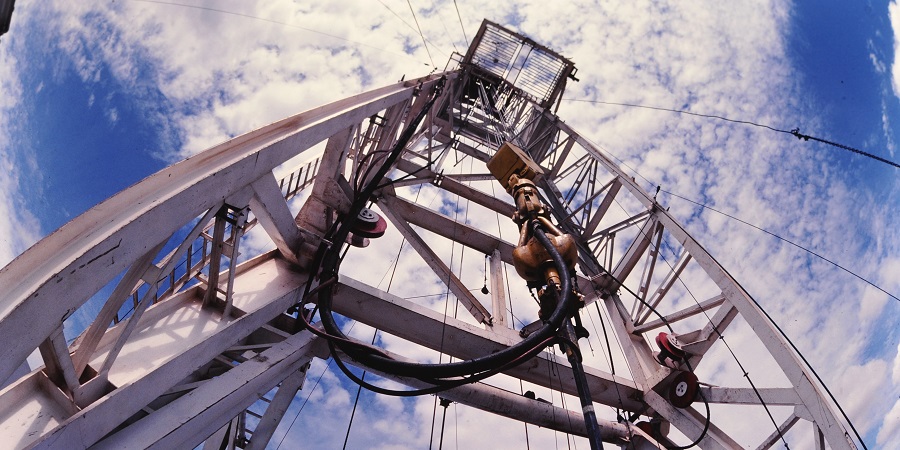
column 888, row 131
column 890, row 433
column 112, row 115
column 18, row 227
column 895, row 372
column 894, row 14
column 226, row 74
column 877, row 64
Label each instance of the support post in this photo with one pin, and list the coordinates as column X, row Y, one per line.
column 498, row 290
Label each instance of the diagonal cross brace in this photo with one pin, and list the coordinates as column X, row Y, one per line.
column 481, row 314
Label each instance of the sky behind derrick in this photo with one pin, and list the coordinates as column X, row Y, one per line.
column 95, row 96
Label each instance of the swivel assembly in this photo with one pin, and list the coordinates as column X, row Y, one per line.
column 545, row 257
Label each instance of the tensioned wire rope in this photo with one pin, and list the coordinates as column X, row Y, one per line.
column 392, row 269
column 794, row 132
column 424, row 42
column 730, row 216
column 686, row 360
column 461, row 26
column 770, row 319
column 446, row 306
column 446, row 30
column 417, row 30
column 622, row 285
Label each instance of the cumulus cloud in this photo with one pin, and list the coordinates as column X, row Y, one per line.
column 18, row 226
column 894, row 14
column 227, row 70
column 890, row 433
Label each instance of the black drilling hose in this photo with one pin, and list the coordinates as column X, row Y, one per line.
column 503, row 357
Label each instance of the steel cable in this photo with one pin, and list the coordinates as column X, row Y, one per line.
column 794, row 132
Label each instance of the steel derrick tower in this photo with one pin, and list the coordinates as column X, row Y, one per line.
column 195, row 331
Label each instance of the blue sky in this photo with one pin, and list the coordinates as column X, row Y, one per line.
column 95, row 96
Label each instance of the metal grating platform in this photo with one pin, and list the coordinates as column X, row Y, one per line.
column 538, row 71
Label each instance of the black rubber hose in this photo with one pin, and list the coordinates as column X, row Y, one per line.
column 503, row 357
column 445, row 385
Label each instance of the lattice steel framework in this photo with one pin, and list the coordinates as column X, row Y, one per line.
column 188, row 342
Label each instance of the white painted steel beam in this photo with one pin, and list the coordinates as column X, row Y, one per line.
column 798, row 375
column 158, row 349
column 438, row 223
column 516, row 406
column 59, row 273
column 775, row 437
column 282, row 399
column 692, row 424
column 87, row 342
column 478, row 311
column 462, row 340
column 747, row 396
column 189, row 420
column 498, row 289
column 699, row 342
column 636, row 250
column 270, row 208
column 690, row 311
column 672, row 276
column 452, row 185
column 173, row 338
column 636, row 351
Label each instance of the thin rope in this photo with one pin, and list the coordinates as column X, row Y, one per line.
column 550, row 383
column 456, row 426
column 794, row 132
column 745, row 373
column 433, row 419
column 412, row 27
column 446, row 30
column 823, row 258
column 562, row 398
column 702, row 205
column 771, row 320
column 511, row 313
column 356, row 401
column 303, row 404
column 461, row 26
column 424, row 41
column 446, row 306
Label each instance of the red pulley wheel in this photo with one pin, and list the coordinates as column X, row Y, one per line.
column 683, row 390
column 670, row 347
column 369, row 224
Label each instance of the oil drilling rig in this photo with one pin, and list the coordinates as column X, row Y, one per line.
column 200, row 341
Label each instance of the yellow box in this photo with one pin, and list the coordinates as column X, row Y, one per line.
column 511, row 159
